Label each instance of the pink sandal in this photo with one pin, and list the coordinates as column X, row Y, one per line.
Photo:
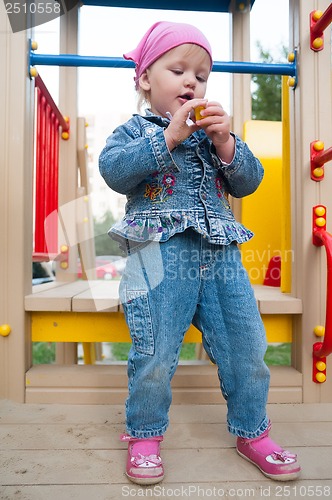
column 144, row 465
column 273, row 461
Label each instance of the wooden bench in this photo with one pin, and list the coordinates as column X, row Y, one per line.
column 90, row 311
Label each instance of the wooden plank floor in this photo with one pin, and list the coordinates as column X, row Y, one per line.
column 71, row 452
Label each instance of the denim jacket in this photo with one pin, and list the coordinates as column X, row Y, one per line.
column 168, row 192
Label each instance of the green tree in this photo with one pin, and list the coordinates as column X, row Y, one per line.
column 43, row 353
column 104, row 245
column 266, row 97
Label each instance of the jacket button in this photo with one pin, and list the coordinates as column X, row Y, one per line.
column 149, row 131
column 203, row 196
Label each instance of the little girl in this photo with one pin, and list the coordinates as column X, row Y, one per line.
column 177, row 166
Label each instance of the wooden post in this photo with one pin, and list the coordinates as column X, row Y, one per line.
column 241, row 95
column 16, row 174
column 311, row 119
column 66, row 353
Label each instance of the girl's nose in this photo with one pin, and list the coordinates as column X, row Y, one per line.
column 190, row 81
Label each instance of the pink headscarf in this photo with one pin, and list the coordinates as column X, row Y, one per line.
column 162, row 37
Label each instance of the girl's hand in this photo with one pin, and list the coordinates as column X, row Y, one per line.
column 179, row 128
column 216, row 123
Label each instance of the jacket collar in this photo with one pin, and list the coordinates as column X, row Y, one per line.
column 158, row 120
column 164, row 122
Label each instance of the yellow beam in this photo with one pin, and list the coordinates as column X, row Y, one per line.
column 86, row 327
column 89, row 353
column 286, row 235
column 112, row 327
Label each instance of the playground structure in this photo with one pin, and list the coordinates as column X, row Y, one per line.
column 73, row 311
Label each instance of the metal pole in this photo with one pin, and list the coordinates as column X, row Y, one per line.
column 119, row 62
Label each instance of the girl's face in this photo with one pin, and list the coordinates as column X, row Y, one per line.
column 179, row 75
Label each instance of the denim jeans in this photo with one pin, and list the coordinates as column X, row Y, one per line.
column 166, row 287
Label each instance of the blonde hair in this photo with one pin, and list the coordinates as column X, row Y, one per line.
column 142, row 99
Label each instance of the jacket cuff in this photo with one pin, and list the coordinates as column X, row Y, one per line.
column 238, row 146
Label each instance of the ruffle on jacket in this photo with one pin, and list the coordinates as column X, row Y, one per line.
column 142, row 228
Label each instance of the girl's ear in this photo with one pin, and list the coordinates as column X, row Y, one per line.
column 144, row 81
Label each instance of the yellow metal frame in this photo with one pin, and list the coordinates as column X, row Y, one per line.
column 111, row 327
column 286, row 210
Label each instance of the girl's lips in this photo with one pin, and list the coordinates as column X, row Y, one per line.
column 184, row 99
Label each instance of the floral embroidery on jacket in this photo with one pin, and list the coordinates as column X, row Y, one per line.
column 152, row 192
column 222, row 195
column 159, row 190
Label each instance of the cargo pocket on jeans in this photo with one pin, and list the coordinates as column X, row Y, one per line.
column 139, row 321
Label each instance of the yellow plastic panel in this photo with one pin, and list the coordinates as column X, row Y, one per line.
column 278, row 327
column 262, row 211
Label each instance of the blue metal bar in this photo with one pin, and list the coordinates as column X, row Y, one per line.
column 79, row 61
column 194, row 5
column 254, row 68
column 119, row 62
